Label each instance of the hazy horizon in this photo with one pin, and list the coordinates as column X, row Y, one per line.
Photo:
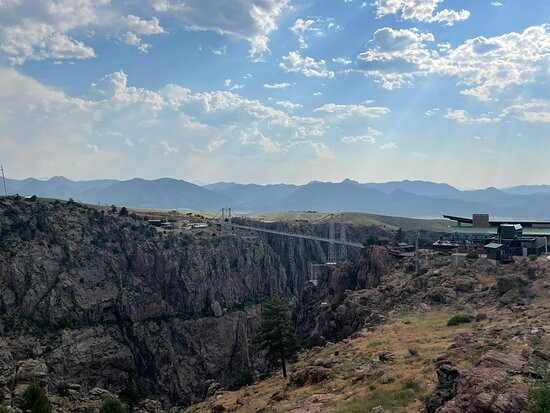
column 201, row 183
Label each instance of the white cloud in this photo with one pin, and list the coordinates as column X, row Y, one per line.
column 132, row 39
column 420, row 10
column 222, row 51
column 316, row 26
column 289, row 105
column 128, row 142
column 395, row 57
column 253, row 136
column 341, row 60
column 295, row 63
column 31, row 30
column 369, row 137
column 252, row 20
column 167, row 149
column 462, row 116
column 212, row 146
column 276, row 85
column 345, row 111
column 92, row 147
column 432, row 112
column 388, row 146
column 420, row 155
column 496, row 3
column 228, row 83
column 488, row 67
column 535, row 111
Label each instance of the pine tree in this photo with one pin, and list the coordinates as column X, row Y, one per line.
column 276, row 334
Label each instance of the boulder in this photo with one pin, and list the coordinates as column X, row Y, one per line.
column 464, row 284
column 497, row 385
column 386, row 357
column 311, row 374
column 28, row 371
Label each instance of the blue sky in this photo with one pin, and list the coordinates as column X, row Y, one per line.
column 271, row 91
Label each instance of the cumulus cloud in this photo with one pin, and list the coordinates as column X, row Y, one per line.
column 388, row 146
column 346, row 111
column 31, row 30
column 490, row 66
column 45, row 123
column 420, row 10
column 293, row 62
column 315, row 26
column 535, row 111
column 394, row 57
column 252, row 20
column 486, row 68
column 167, row 149
column 369, row 137
column 462, row 116
column 253, row 136
column 341, row 60
column 289, row 105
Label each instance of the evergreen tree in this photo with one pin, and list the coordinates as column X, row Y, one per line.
column 34, row 399
column 399, row 236
column 131, row 394
column 276, row 334
column 112, row 405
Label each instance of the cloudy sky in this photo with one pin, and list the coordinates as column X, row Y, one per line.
column 270, row 91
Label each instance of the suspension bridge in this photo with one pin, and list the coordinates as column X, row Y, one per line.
column 225, row 220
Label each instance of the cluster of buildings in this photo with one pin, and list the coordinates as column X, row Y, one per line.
column 499, row 240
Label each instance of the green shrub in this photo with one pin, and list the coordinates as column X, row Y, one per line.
column 63, row 389
column 531, row 273
column 246, row 378
column 33, row 198
column 123, row 212
column 34, row 399
column 532, row 257
column 393, row 400
column 460, row 319
column 131, row 394
column 472, row 255
column 539, row 395
column 3, row 409
column 112, row 405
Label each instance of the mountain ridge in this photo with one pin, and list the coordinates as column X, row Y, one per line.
column 408, row 198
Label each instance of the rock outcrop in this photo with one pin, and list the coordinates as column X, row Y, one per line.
column 497, row 385
column 100, row 299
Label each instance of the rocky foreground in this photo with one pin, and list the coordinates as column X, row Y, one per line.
column 91, row 300
column 391, row 347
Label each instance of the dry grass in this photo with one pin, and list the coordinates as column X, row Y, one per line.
column 417, row 340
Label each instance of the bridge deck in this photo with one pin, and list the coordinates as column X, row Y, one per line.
column 290, row 234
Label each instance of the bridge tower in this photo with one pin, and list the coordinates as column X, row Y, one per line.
column 332, row 237
column 343, row 240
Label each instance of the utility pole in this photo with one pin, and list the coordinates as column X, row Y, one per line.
column 416, row 257
column 4, row 180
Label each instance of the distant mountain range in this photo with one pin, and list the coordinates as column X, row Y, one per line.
column 398, row 198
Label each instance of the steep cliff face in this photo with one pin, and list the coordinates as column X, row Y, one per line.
column 102, row 298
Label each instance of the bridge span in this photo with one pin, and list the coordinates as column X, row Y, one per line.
column 303, row 236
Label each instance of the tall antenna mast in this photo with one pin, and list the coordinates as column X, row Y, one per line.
column 4, row 180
